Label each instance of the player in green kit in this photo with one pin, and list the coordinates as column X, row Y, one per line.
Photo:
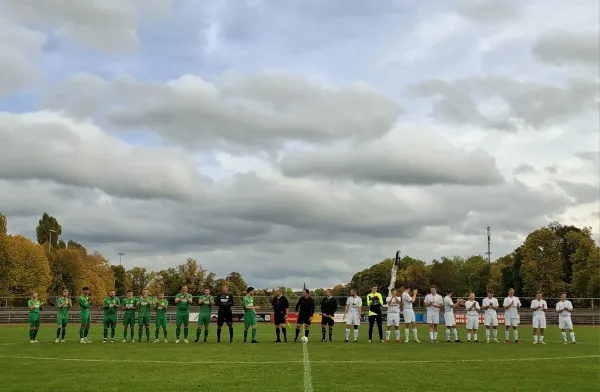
column 250, row 315
column 183, row 301
column 144, row 305
column 130, row 305
column 111, row 306
column 206, row 302
column 84, row 315
column 161, row 305
column 62, row 317
column 34, row 305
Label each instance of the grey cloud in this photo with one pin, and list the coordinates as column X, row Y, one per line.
column 259, row 111
column 48, row 146
column 486, row 11
column 583, row 193
column 564, row 47
column 519, row 104
column 589, row 156
column 405, row 160
column 524, row 168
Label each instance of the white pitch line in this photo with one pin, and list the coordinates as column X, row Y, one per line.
column 308, row 387
column 528, row 359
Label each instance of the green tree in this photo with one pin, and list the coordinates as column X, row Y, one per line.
column 167, row 281
column 210, row 282
column 7, row 266
column 3, row 224
column 32, row 272
column 446, row 274
column 139, row 279
column 193, row 275
column 495, row 279
column 237, row 285
column 414, row 275
column 121, row 280
column 567, row 246
column 542, row 263
column 475, row 273
column 47, row 228
column 585, row 261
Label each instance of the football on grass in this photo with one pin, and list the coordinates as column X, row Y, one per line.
column 304, row 339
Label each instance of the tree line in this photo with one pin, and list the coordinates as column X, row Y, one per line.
column 553, row 259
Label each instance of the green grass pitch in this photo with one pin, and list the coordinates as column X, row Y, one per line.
column 132, row 367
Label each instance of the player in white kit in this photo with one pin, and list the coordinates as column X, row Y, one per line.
column 409, row 314
column 539, row 308
column 434, row 302
column 472, row 307
column 393, row 315
column 511, row 315
column 352, row 312
column 490, row 317
column 449, row 319
column 564, row 309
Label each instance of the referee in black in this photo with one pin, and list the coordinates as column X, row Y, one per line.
column 281, row 307
column 224, row 302
column 328, row 308
column 305, row 309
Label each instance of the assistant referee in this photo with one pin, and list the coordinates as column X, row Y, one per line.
column 374, row 301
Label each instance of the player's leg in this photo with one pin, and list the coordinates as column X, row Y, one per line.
column 206, row 327
column 515, row 334
column 58, row 329
column 36, row 329
column 164, row 327
column 63, row 332
column 140, row 327
column 105, row 325
column 178, row 322
column 390, row 324
column 379, row 320
column 229, row 321
column 347, row 334
column 254, row 326
column 247, row 324
column 476, row 329
column 406, row 330
column 306, row 327
column 82, row 325
column 298, row 326
column 331, row 324
column 371, row 324
column 186, row 323
column 507, row 323
column 147, row 327
column 220, row 319
column 88, row 324
column 198, row 329
column 569, row 327
column 535, row 329
column 157, row 323
column 324, row 323
column 125, row 318
column 31, row 327
column 277, row 330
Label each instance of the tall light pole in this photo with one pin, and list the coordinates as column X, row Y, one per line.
column 121, row 255
column 50, row 231
column 489, row 240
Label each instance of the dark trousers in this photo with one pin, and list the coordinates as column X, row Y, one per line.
column 372, row 319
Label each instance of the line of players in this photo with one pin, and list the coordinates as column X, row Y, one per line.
column 305, row 309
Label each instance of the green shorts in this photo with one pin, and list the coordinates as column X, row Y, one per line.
column 182, row 318
column 110, row 321
column 129, row 319
column 144, row 320
column 62, row 322
column 249, row 320
column 34, row 320
column 161, row 322
column 204, row 319
column 85, row 317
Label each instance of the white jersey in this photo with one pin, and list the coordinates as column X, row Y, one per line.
column 434, row 299
column 487, row 302
column 512, row 312
column 407, row 301
column 353, row 304
column 448, row 305
column 561, row 306
column 394, row 306
column 535, row 304
column 475, row 310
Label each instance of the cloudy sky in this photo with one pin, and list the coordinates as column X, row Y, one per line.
column 298, row 140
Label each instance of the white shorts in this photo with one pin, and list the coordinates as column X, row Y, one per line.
column 539, row 322
column 565, row 323
column 393, row 319
column 353, row 319
column 511, row 322
column 433, row 317
column 409, row 316
column 489, row 320
column 472, row 322
column 449, row 320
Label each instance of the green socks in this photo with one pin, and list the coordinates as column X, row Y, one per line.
column 254, row 334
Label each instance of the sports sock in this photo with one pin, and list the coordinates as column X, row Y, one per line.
column 506, row 334
column 147, row 332
column 156, row 334
column 177, row 332
column 278, row 333
column 330, row 333
column 447, row 334
column 347, row 333
column 323, row 331
column 487, row 333
column 475, row 336
column 198, row 333
column 387, row 334
column 284, row 332
column 113, row 331
column 131, row 333
column 435, row 335
column 430, row 335
column 306, row 332
column 205, row 334
column 81, row 333
column 535, row 338
column 63, row 333
column 406, row 333
column 31, row 334
column 245, row 334
column 140, row 331
column 165, row 332
column 105, row 333
column 573, row 336
column 186, row 332
column 35, row 332
column 58, row 333
column 564, row 336
column 125, row 333
column 254, row 334
column 541, row 338
column 218, row 334
column 495, row 334
column 297, row 332
column 397, row 334
column 415, row 333
column 516, row 334
column 355, row 333
column 468, row 336
column 86, row 331
column 231, row 332
column 455, row 332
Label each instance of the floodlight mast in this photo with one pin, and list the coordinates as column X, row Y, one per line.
column 394, row 272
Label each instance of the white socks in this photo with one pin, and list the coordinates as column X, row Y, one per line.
column 535, row 338
column 347, row 333
column 430, row 335
column 387, row 334
column 572, row 336
column 516, row 334
column 468, row 336
column 447, row 334
column 455, row 331
column 355, row 334
column 406, row 333
column 495, row 334
column 398, row 334
column 415, row 333
column 506, row 334
column 487, row 333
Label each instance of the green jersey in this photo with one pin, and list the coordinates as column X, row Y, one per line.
column 84, row 303
column 63, row 312
column 249, row 304
column 184, row 305
column 205, row 307
column 35, row 304
column 111, row 305
column 161, row 306
column 130, row 305
column 144, row 306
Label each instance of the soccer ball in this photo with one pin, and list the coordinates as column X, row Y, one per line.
column 304, row 339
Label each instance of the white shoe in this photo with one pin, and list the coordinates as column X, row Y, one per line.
column 124, row 340
column 104, row 341
column 112, row 340
column 82, row 341
column 369, row 340
column 417, row 340
column 166, row 341
column 87, row 341
column 62, row 340
column 31, row 341
column 177, row 341
column 57, row 341
column 155, row 340
column 565, row 342
column 36, row 341
column 185, row 341
column 534, row 342
column 406, row 341
column 496, row 341
column 542, row 342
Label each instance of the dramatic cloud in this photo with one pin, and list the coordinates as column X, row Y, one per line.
column 564, row 47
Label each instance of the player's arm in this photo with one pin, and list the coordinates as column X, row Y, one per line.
column 334, row 307
column 506, row 305
column 414, row 296
column 286, row 305
column 360, row 306
column 311, row 308
column 346, row 309
column 569, row 308
column 177, row 299
column 298, row 304
column 201, row 301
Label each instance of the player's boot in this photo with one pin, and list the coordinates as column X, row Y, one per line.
column 58, row 341
column 31, row 341
column 155, row 340
column 457, row 341
column 345, row 340
column 185, row 341
column 381, row 341
column 177, row 341
column 87, row 341
column 517, row 342
column 417, row 340
column 62, row 340
column 542, row 342
column 496, row 341
column 197, row 341
column 124, row 340
column 112, row 340
column 355, row 340
column 397, row 340
column 535, row 342
column 475, row 341
column 487, row 340
column 254, row 341
column 82, row 341
column 387, row 340
column 104, row 341
column 506, row 342
column 369, row 340
column 166, row 341
column 323, row 340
